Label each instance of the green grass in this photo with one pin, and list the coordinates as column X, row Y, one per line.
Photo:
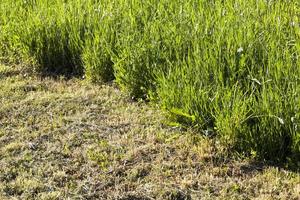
column 69, row 139
column 227, row 68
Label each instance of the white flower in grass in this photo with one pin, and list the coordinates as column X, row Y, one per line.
column 293, row 23
column 240, row 50
column 280, row 120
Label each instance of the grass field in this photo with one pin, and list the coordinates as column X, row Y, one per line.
column 229, row 69
column 74, row 140
column 224, row 74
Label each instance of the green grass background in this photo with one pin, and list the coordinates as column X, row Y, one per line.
column 229, row 68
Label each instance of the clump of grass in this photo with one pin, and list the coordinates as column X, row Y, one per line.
column 229, row 68
column 55, row 37
column 240, row 77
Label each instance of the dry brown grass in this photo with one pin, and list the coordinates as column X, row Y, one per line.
column 72, row 140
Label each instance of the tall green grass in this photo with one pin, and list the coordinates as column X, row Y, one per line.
column 230, row 68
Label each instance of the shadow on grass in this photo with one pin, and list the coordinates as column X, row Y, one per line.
column 259, row 166
column 13, row 70
column 61, row 72
column 9, row 73
column 250, row 166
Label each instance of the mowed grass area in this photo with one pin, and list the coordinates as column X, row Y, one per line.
column 63, row 139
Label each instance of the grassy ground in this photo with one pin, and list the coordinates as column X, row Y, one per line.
column 230, row 67
column 72, row 140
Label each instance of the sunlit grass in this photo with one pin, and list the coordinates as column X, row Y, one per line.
column 229, row 68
